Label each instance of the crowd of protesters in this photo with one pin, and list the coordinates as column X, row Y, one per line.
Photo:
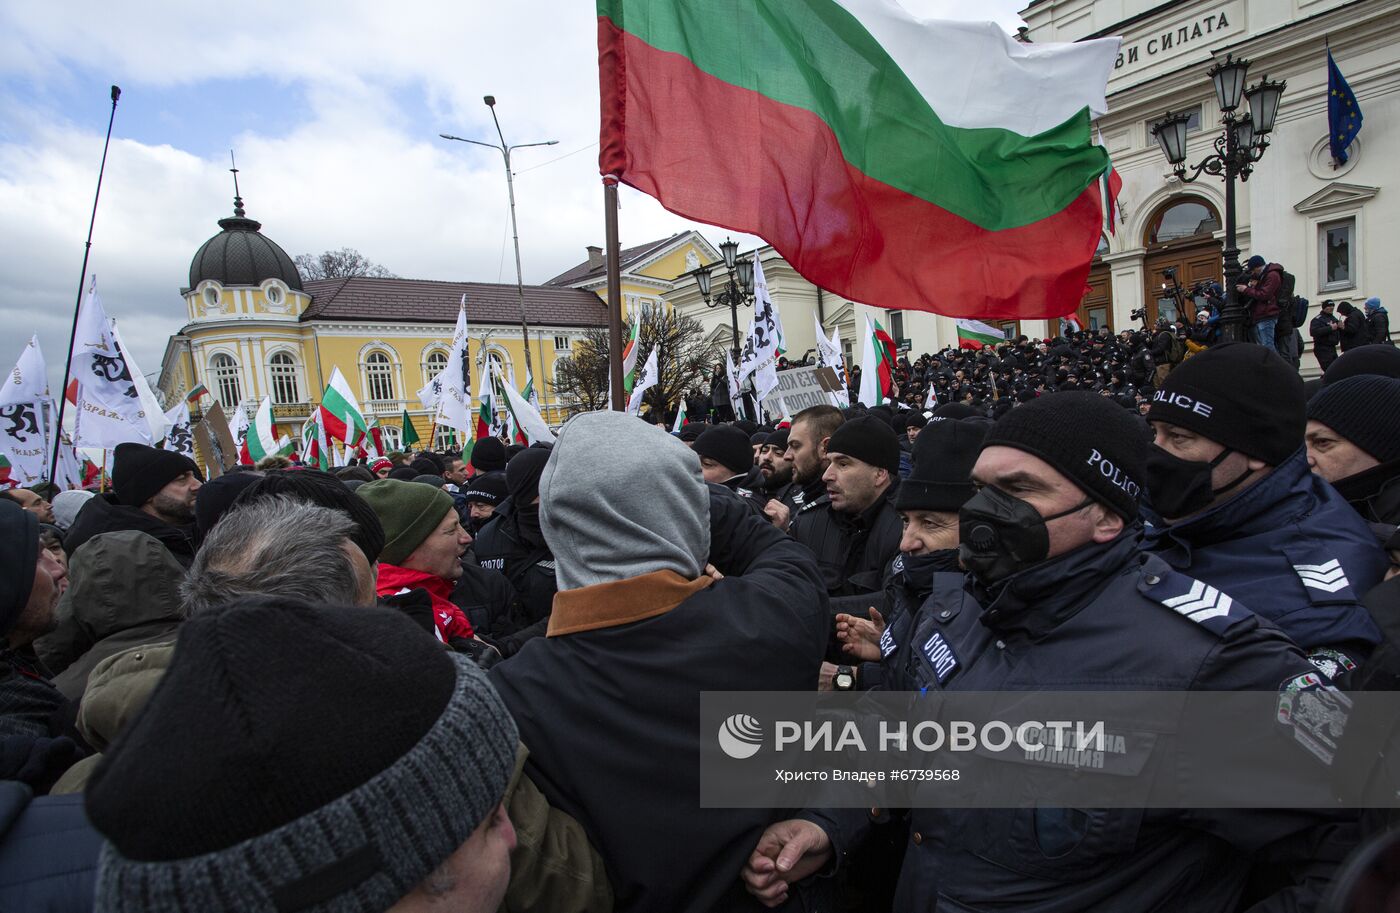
column 437, row 683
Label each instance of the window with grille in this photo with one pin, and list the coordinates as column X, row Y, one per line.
column 379, row 376
column 283, row 369
column 226, row 381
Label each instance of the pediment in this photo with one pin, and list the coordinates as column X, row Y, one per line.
column 1337, row 195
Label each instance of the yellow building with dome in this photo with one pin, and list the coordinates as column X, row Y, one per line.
column 256, row 329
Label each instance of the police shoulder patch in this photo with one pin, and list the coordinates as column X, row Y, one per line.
column 1195, row 599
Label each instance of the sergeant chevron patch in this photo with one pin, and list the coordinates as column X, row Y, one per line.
column 1327, row 577
column 1201, row 603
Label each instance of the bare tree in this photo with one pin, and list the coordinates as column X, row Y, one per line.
column 339, row 264
column 682, row 356
column 581, row 380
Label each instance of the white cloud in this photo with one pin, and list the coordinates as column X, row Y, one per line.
column 359, row 171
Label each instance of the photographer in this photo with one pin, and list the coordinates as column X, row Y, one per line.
column 1262, row 289
column 1163, row 346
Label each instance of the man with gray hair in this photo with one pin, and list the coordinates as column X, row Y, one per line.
column 249, row 553
column 665, row 591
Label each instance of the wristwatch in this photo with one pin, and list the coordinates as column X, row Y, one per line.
column 844, row 679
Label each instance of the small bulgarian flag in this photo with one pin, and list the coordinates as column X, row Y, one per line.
column 5, row 468
column 629, row 358
column 877, row 365
column 974, row 334
column 1112, row 183
column 262, row 440
column 198, row 391
column 680, row 418
column 339, row 414
column 486, row 392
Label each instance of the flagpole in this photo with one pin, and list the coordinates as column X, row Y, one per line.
column 82, row 279
column 619, row 401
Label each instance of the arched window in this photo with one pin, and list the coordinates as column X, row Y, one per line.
column 1181, row 218
column 1103, row 246
column 283, row 369
column 379, row 376
column 226, row 381
column 437, row 360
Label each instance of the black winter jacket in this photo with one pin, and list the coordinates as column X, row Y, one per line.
column 528, row 568
column 611, row 709
column 104, row 514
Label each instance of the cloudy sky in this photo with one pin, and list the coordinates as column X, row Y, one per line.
column 334, row 112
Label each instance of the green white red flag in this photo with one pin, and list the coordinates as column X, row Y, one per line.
column 876, row 365
column 340, row 415
column 974, row 334
column 262, row 440
column 927, row 165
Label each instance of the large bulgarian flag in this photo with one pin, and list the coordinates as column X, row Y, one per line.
column 927, row 165
column 341, row 416
column 974, row 334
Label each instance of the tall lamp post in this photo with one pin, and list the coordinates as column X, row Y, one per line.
column 736, row 292
column 1241, row 143
column 505, row 151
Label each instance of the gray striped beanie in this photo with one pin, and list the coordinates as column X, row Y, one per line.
column 298, row 757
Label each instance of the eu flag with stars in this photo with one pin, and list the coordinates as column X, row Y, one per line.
column 1343, row 113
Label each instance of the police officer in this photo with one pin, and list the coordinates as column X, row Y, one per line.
column 928, row 503
column 1061, row 598
column 512, row 542
column 1240, row 509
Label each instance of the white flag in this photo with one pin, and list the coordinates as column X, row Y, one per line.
column 180, row 436
column 23, row 443
column 155, row 415
column 109, row 408
column 869, row 395
column 646, row 379
column 736, row 399
column 28, row 382
column 454, row 404
column 239, row 426
column 527, row 417
column 829, row 355
column 759, row 357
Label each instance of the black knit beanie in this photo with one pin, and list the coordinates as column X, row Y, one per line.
column 777, row 439
column 403, row 473
column 140, row 472
column 869, row 439
column 486, row 488
column 488, row 455
column 944, row 454
column 957, row 411
column 1373, row 359
column 19, row 553
column 216, row 496
column 693, row 430
column 726, row 445
column 1239, row 394
column 1093, row 442
column 523, row 474
column 758, row 438
column 316, row 487
column 298, row 757
column 1365, row 410
column 746, row 426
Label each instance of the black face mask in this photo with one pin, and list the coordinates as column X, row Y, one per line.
column 527, row 522
column 1002, row 534
column 1179, row 488
column 918, row 570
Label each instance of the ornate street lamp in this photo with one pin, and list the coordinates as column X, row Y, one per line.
column 737, row 290
column 1239, row 146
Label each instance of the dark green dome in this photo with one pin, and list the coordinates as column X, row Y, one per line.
column 241, row 255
